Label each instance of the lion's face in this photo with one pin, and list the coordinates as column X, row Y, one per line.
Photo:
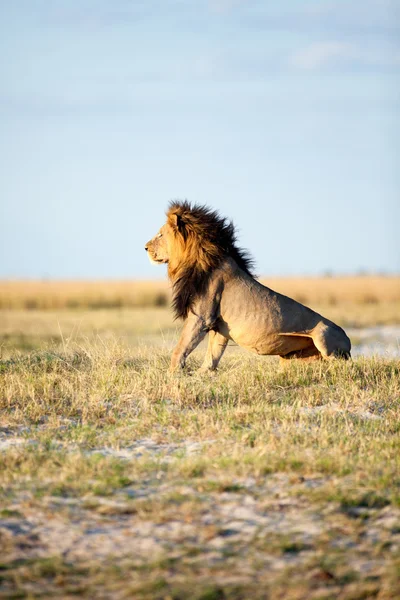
column 158, row 248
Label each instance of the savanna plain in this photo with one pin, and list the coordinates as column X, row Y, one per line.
column 264, row 481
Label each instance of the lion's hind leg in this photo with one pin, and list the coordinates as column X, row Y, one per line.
column 331, row 341
column 307, row 354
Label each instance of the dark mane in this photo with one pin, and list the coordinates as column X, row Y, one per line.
column 207, row 239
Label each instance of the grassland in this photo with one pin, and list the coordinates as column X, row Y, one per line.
column 33, row 313
column 321, row 291
column 119, row 480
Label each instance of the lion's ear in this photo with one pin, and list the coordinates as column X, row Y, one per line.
column 176, row 222
column 173, row 220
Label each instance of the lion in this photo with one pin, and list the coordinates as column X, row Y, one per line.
column 215, row 292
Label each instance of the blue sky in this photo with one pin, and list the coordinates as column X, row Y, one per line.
column 283, row 115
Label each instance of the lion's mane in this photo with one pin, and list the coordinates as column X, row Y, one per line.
column 202, row 239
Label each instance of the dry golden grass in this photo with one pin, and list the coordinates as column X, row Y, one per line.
column 119, row 480
column 372, row 289
column 27, row 330
column 51, row 295
column 48, row 295
column 257, row 481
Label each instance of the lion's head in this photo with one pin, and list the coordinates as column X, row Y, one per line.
column 194, row 241
column 159, row 247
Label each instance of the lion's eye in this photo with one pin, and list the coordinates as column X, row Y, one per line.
column 159, row 235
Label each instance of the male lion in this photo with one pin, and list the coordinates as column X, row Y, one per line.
column 215, row 292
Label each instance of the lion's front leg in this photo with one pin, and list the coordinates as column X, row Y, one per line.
column 193, row 332
column 216, row 347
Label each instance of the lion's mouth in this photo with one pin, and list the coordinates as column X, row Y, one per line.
column 157, row 261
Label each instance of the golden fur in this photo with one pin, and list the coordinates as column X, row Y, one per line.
column 215, row 292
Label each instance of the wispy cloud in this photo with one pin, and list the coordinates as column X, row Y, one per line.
column 223, row 6
column 123, row 12
column 319, row 54
column 338, row 19
column 107, row 14
column 345, row 55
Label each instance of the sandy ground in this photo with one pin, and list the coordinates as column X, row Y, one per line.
column 383, row 340
column 100, row 528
